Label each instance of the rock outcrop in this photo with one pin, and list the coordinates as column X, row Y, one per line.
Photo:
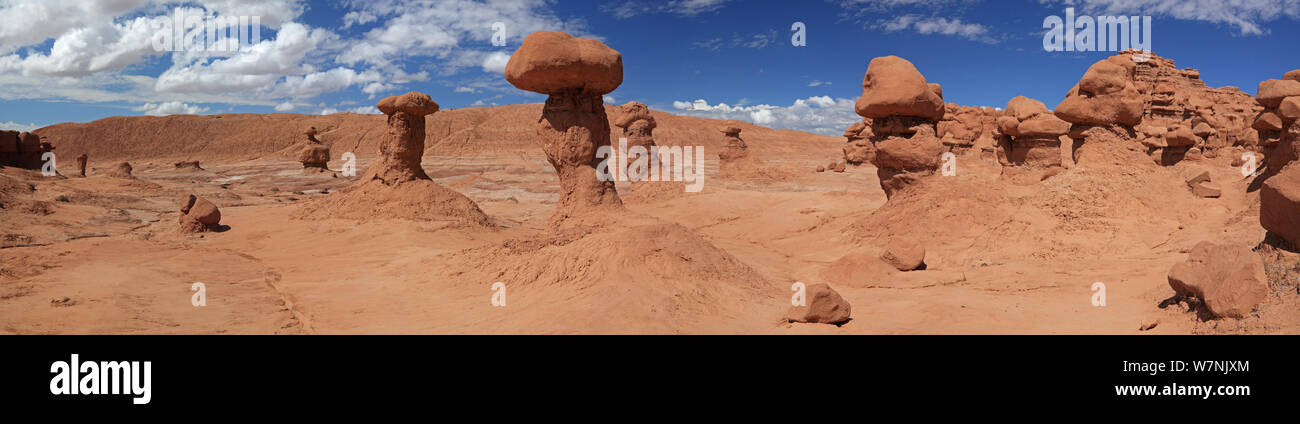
column 82, row 160
column 637, row 123
column 1228, row 280
column 733, row 147
column 860, row 149
column 395, row 185
column 904, row 110
column 822, row 305
column 1278, row 124
column 22, row 149
column 314, row 155
column 121, row 170
column 1169, row 111
column 574, row 73
column 1279, row 205
column 198, row 215
column 1030, row 134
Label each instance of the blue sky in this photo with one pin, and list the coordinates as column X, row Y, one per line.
column 732, row 59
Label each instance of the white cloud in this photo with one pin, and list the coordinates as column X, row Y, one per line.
column 14, row 126
column 171, row 108
column 366, row 110
column 818, row 114
column 329, row 111
column 99, row 49
column 937, row 25
column 608, row 99
column 463, row 89
column 631, row 8
column 1246, row 15
column 496, row 62
column 284, row 107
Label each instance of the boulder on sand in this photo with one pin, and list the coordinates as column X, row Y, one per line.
column 903, row 254
column 822, row 305
column 198, row 215
column 1229, row 280
column 1279, row 205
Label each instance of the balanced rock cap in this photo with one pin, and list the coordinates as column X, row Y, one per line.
column 413, row 103
column 893, row 87
column 555, row 62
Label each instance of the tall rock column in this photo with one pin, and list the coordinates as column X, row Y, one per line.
column 574, row 73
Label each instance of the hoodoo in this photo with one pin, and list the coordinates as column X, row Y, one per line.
column 574, row 73
column 903, row 109
column 396, row 185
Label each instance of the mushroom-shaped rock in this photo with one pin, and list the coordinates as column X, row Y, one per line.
column 1272, row 92
column 893, row 86
column 402, row 145
column 574, row 73
column 1228, row 279
column 733, row 147
column 396, row 185
column 821, row 305
column 1034, row 134
column 556, row 63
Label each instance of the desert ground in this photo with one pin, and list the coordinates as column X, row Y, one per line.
column 1006, row 250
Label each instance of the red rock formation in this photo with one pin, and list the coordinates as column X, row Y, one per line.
column 822, row 305
column 574, row 73
column 1278, row 125
column 314, row 155
column 903, row 109
column 396, row 185
column 734, row 147
column 81, row 164
column 1177, row 115
column 638, row 124
column 198, row 215
column 1229, row 280
column 1030, row 134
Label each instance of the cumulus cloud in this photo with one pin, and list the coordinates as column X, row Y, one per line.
column 97, row 51
column 284, row 107
column 937, row 25
column 14, row 126
column 817, row 114
column 171, row 108
column 495, row 62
